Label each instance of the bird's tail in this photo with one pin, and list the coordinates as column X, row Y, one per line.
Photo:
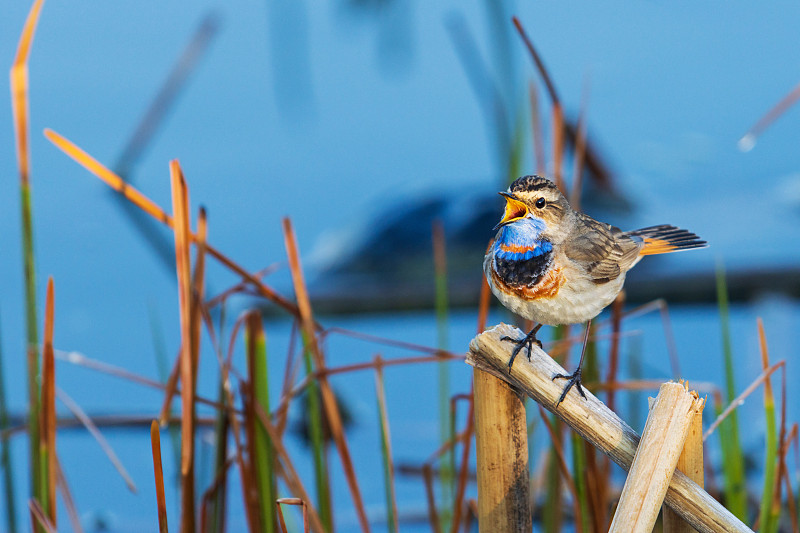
column 665, row 238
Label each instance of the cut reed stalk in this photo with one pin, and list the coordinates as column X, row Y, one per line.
column 595, row 422
column 161, row 502
column 501, row 447
column 656, row 457
column 48, row 403
column 328, row 399
column 180, row 210
column 20, row 109
column 690, row 463
column 292, row 501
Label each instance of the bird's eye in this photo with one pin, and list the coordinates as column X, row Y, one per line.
column 540, row 203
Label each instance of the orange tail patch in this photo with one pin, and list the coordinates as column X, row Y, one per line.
column 665, row 239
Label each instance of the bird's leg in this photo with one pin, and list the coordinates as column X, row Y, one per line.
column 575, row 378
column 528, row 341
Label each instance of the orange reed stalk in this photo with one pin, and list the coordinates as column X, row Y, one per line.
column 155, row 441
column 328, row 399
column 180, row 210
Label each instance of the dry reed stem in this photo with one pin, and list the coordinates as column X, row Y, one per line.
column 580, row 150
column 656, row 458
column 690, row 463
column 180, row 212
column 292, row 501
column 198, row 288
column 328, row 399
column 464, row 470
column 38, row 516
column 558, row 148
column 502, row 463
column 433, row 516
column 152, row 209
column 48, row 403
column 91, row 427
column 748, row 140
column 561, row 461
column 739, row 400
column 594, row 422
column 161, row 502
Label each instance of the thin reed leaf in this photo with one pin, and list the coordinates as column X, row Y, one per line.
column 580, row 150
column 5, row 454
column 263, row 458
column 39, row 518
column 180, row 211
column 221, row 428
column 162, row 363
column 769, row 523
column 330, row 406
column 48, row 403
column 89, row 424
column 433, row 515
column 69, row 502
column 732, row 455
column 748, row 140
column 581, row 501
column 167, row 94
column 386, row 449
column 558, row 148
column 161, row 502
column 20, row 109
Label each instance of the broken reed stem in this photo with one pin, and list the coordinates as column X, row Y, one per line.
column 690, row 463
column 501, row 447
column 656, row 458
column 594, row 422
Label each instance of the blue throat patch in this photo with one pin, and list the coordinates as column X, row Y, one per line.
column 526, row 236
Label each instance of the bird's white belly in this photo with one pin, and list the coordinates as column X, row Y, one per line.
column 576, row 301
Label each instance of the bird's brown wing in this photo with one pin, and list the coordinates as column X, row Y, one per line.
column 603, row 250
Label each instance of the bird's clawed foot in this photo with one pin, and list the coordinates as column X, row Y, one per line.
column 528, row 341
column 573, row 379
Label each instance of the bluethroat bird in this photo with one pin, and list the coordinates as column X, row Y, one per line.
column 553, row 265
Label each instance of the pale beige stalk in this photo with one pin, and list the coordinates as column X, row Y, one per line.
column 690, row 463
column 656, row 457
column 501, row 443
column 593, row 421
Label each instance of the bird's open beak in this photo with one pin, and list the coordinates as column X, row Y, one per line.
column 515, row 210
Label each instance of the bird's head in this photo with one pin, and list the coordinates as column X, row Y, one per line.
column 534, row 197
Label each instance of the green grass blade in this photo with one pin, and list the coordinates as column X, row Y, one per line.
column 5, row 455
column 317, row 442
column 32, row 337
column 732, row 456
column 264, row 459
column 769, row 522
